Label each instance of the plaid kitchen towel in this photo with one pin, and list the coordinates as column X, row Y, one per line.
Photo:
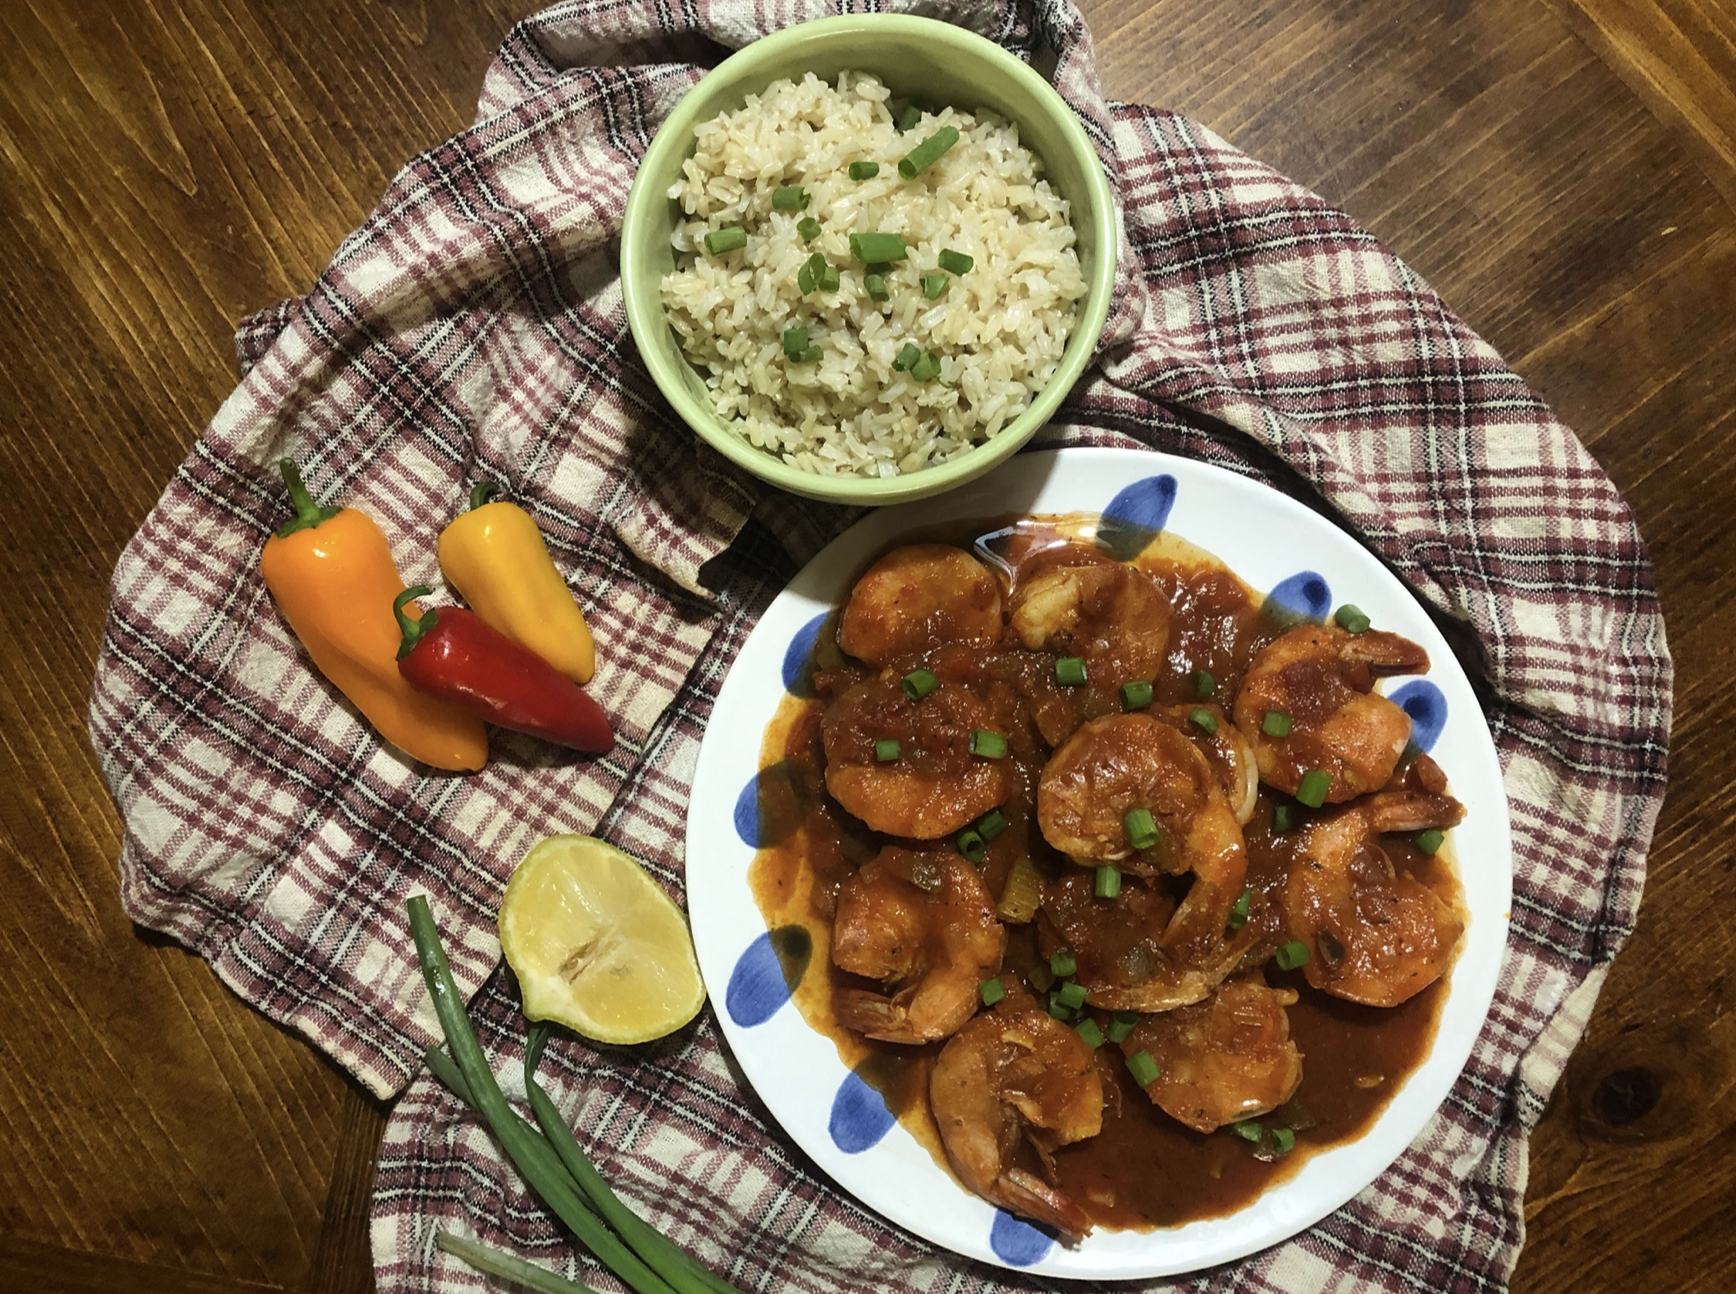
column 472, row 329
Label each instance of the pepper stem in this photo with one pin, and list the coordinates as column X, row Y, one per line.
column 308, row 514
column 479, row 493
column 413, row 630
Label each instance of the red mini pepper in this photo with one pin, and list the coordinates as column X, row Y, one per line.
column 454, row 655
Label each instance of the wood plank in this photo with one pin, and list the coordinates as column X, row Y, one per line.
column 343, row 1262
column 49, row 1269
column 171, row 167
column 1679, row 58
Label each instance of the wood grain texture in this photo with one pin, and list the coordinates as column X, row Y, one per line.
column 169, row 168
column 1563, row 171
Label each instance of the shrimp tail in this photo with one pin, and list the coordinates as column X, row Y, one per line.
column 872, row 1014
column 1411, row 811
column 1386, row 653
column 1030, row 1195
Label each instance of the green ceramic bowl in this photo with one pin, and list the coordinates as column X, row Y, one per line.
column 933, row 62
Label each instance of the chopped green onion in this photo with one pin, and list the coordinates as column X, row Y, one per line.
column 789, row 197
column 719, row 241
column 910, row 118
column 989, row 745
column 992, row 991
column 809, row 356
column 1283, row 1140
column 918, row 683
column 928, row 152
column 907, row 357
column 970, row 844
column 808, row 277
column 1121, row 1024
column 828, row 278
column 1107, row 883
column 1063, row 963
column 1088, row 1030
column 933, row 285
column 808, row 228
column 1070, row 671
column 993, row 823
column 876, row 286
column 1352, row 619
column 864, row 170
column 1135, row 695
column 1283, row 818
column 1202, row 684
column 1431, row 840
column 1143, row 1068
column 1059, row 1009
column 795, row 341
column 955, row 262
column 1291, row 955
column 887, row 750
column 1275, row 724
column 1072, row 995
column 1141, row 829
column 1313, row 788
column 1203, row 719
column 925, row 369
column 1247, row 1129
column 1239, row 909
column 872, row 249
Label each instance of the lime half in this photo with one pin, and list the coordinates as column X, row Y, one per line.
column 596, row 943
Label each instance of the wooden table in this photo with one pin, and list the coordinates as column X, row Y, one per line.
column 1563, row 171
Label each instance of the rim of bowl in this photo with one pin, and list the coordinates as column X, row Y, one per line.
column 645, row 316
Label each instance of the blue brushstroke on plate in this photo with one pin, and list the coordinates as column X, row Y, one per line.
column 859, row 1116
column 1304, row 596
column 769, row 807
column 1018, row 1242
column 799, row 655
column 1136, row 516
column 1427, row 708
column 766, row 974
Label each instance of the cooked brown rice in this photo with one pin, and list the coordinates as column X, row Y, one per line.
column 998, row 330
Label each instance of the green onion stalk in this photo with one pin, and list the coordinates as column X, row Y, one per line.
column 541, row 1161
column 507, row 1266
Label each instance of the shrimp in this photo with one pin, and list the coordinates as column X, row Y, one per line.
column 1113, row 616
column 918, row 596
column 1323, row 679
column 1119, row 945
column 935, row 785
column 1120, row 763
column 1012, row 1076
column 1225, row 1059
column 1229, row 751
column 924, row 925
column 1373, row 935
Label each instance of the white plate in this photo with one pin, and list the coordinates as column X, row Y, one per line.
column 1273, row 543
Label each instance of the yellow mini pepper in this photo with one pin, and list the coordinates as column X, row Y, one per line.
column 496, row 558
column 334, row 580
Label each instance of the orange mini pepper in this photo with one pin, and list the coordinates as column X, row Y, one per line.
column 496, row 558
column 334, row 581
